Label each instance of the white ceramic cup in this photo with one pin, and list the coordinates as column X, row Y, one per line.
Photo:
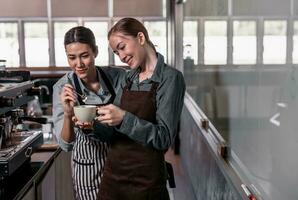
column 85, row 113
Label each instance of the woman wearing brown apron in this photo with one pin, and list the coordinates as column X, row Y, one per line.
column 145, row 117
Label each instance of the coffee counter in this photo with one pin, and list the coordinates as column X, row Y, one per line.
column 43, row 177
column 16, row 186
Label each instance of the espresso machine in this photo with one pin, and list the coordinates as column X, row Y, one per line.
column 17, row 145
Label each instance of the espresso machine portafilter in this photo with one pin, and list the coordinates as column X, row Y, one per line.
column 18, row 117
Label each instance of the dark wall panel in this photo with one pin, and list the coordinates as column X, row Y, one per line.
column 23, row 8
column 138, row 8
column 262, row 7
column 79, row 8
column 206, row 8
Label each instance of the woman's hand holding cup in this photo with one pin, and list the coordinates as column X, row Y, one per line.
column 110, row 114
column 84, row 116
column 82, row 125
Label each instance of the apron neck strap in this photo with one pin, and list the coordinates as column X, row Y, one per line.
column 108, row 84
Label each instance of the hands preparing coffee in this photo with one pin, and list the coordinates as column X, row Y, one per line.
column 85, row 113
column 110, row 115
column 84, row 116
column 106, row 114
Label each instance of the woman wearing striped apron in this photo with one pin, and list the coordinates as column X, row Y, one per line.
column 99, row 86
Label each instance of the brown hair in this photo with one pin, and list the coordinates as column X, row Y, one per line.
column 131, row 27
column 80, row 34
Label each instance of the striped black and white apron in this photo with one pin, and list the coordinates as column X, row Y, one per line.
column 88, row 155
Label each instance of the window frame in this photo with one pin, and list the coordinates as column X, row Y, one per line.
column 50, row 21
column 259, row 36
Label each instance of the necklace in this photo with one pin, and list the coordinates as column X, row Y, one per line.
column 145, row 76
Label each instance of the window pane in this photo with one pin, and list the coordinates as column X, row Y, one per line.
column 36, row 44
column 100, row 30
column 275, row 36
column 157, row 34
column 60, row 28
column 9, row 45
column 190, row 40
column 295, row 43
column 244, row 42
column 215, row 42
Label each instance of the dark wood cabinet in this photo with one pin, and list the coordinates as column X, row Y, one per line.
column 30, row 194
column 53, row 181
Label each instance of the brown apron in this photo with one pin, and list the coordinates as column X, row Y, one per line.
column 133, row 171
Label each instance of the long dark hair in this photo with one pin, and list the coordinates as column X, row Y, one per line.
column 131, row 27
column 80, row 34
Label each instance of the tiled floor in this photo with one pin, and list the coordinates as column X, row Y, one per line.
column 183, row 190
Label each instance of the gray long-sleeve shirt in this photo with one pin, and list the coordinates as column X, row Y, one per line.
column 115, row 75
column 169, row 100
